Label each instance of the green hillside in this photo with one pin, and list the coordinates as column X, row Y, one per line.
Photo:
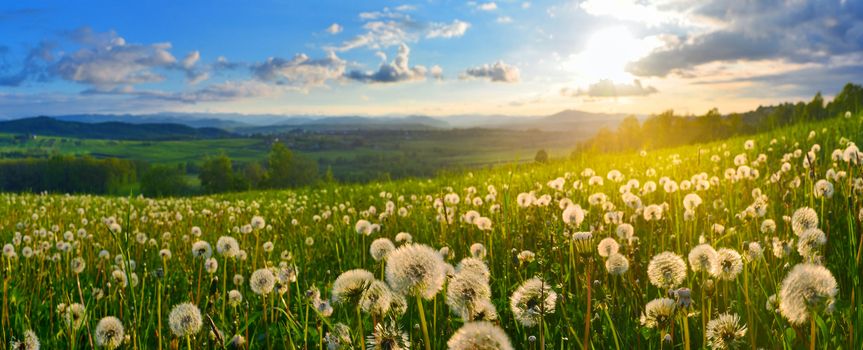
column 707, row 245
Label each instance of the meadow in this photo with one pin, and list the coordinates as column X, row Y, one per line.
column 353, row 156
column 745, row 243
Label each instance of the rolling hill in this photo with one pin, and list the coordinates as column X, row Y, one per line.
column 109, row 130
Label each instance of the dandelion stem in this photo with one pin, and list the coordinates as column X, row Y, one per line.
column 422, row 323
column 812, row 333
column 362, row 331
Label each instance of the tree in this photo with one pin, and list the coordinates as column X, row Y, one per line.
column 541, row 156
column 279, row 166
column 217, row 175
column 163, row 180
column 285, row 170
column 254, row 174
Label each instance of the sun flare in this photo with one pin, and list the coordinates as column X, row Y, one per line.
column 607, row 52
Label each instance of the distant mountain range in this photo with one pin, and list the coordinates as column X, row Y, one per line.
column 47, row 126
column 566, row 120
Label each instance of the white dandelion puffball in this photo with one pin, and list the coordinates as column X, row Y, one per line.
column 666, row 270
column 659, row 313
column 804, row 219
column 262, row 281
column 227, row 246
column 30, row 342
column 465, row 291
column 185, row 320
column 616, row 264
column 725, row 332
column 573, row 215
column 109, row 333
column 607, row 247
column 479, row 336
column 806, row 289
column 702, row 258
column 531, row 300
column 202, row 250
column 350, row 285
column 729, row 264
column 416, row 270
column 380, row 248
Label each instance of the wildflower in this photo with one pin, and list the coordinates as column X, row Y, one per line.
column 474, row 266
column 350, row 285
column 380, row 248
column 608, row 247
column 234, row 298
column 659, row 313
column 804, row 219
column 262, row 281
column 702, row 258
column 806, row 289
column 725, row 332
column 479, row 335
column 465, row 290
column 202, row 250
column 666, row 270
column 227, row 246
column 616, row 264
column 388, row 336
column 30, row 342
column 477, row 250
column 339, row 337
column 109, row 333
column 573, row 215
column 376, row 299
column 533, row 299
column 74, row 315
column 729, row 264
column 185, row 320
column 416, row 270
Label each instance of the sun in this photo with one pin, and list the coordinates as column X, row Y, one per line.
column 606, row 54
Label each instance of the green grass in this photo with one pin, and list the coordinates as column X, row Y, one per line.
column 312, row 230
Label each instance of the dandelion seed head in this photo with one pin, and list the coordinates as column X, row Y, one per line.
column 109, row 333
column 185, row 320
column 666, row 270
column 725, row 332
column 533, row 299
column 479, row 336
column 415, row 270
column 807, row 288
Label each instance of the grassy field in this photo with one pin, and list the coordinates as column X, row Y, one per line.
column 744, row 243
column 353, row 156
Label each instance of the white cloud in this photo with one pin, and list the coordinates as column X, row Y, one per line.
column 106, row 60
column 497, row 72
column 301, row 71
column 488, row 6
column 504, row 19
column 525, row 5
column 334, row 28
column 447, row 30
column 396, row 71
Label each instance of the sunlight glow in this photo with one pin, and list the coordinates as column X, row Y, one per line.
column 607, row 53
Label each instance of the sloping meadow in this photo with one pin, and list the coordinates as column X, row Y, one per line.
column 745, row 243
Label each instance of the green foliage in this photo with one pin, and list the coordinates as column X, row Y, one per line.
column 541, row 156
column 164, row 180
column 67, row 175
column 285, row 170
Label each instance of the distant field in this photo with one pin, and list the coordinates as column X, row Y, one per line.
column 354, row 156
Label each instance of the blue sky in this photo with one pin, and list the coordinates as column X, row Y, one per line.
column 423, row 57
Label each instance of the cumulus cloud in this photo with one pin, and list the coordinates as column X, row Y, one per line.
column 334, row 28
column 391, row 27
column 301, row 71
column 487, row 6
column 798, row 31
column 608, row 88
column 447, row 30
column 105, row 60
column 497, row 72
column 396, row 71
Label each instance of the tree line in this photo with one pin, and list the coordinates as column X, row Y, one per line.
column 668, row 129
column 217, row 174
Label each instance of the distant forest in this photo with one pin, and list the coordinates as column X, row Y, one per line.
column 667, row 129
